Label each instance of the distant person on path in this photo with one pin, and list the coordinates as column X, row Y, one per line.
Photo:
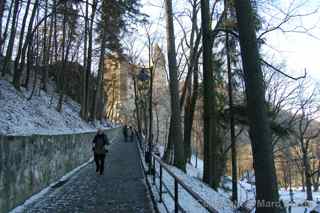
column 125, row 133
column 131, row 134
column 99, row 143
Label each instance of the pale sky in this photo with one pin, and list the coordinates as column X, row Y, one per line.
column 298, row 51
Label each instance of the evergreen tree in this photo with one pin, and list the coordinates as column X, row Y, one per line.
column 260, row 133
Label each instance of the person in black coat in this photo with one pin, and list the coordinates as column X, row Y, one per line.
column 125, row 133
column 131, row 134
column 99, row 142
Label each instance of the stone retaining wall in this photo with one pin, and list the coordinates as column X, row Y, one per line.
column 30, row 163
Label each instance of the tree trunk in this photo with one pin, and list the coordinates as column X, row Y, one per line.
column 4, row 37
column 85, row 72
column 51, row 42
column 27, row 42
column 232, row 125
column 307, row 173
column 150, row 134
column 29, row 65
column 316, row 181
column 89, row 59
column 189, row 113
column 145, row 117
column 63, row 61
column 209, row 103
column 176, row 134
column 55, row 36
column 35, row 76
column 158, row 126
column 137, row 105
column 99, row 94
column 303, row 182
column 9, row 51
column 2, row 6
column 260, row 134
column 192, row 92
column 34, row 46
column 168, row 156
column 17, row 74
column 45, row 50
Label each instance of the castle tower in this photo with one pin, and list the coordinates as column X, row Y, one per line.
column 115, row 85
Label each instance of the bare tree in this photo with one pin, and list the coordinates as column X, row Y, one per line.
column 89, row 57
column 175, row 134
column 86, row 74
column 4, row 36
column 27, row 46
column 61, row 81
column 209, row 114
column 2, row 7
column 16, row 78
column 191, row 87
column 12, row 37
column 307, row 130
column 46, row 49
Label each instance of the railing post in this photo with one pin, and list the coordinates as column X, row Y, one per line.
column 153, row 169
column 160, row 195
column 176, row 198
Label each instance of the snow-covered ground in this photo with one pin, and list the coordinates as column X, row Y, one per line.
column 299, row 198
column 20, row 116
column 217, row 200
column 246, row 191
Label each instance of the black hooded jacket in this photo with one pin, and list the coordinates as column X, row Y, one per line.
column 99, row 142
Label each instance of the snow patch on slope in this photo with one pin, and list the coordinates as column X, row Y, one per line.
column 20, row 116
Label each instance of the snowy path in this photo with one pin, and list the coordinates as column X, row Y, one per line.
column 121, row 189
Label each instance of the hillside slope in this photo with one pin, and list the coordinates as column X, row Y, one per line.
column 20, row 116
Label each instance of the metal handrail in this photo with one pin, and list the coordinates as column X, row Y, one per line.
column 177, row 182
column 160, row 190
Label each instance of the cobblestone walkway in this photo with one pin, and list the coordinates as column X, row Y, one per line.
column 120, row 189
